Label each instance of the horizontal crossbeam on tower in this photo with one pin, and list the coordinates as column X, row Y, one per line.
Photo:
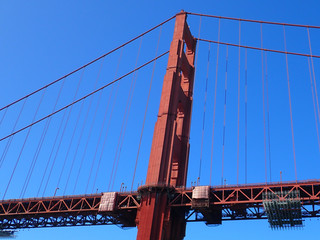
column 243, row 202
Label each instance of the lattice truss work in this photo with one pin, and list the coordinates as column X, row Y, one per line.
column 203, row 203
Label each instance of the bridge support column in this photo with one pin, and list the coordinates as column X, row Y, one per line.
column 168, row 161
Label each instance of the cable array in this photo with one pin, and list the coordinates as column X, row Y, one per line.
column 90, row 132
column 65, row 131
column 271, row 82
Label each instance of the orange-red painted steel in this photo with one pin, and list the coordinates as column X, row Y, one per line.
column 168, row 161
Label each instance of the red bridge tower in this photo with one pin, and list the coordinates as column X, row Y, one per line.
column 168, row 163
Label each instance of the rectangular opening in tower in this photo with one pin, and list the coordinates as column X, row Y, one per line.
column 283, row 209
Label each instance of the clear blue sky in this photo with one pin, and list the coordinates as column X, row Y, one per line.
column 40, row 41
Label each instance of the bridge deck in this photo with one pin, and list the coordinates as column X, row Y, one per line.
column 225, row 203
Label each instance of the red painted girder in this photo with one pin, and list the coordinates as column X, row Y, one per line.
column 243, row 194
column 127, row 204
column 222, row 195
column 65, row 204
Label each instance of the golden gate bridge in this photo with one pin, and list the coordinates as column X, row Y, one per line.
column 57, row 140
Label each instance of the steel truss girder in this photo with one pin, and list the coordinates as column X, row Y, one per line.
column 67, row 211
column 234, row 202
column 249, row 194
column 59, row 221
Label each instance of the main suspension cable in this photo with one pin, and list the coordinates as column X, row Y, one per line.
column 86, row 96
column 254, row 21
column 260, row 49
column 86, row 65
column 3, row 116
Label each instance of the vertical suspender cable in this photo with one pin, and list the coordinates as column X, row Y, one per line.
column 246, row 119
column 126, row 118
column 135, row 76
column 145, row 112
column 3, row 116
column 314, row 80
column 26, row 182
column 48, row 121
column 61, row 139
column 214, row 103
column 101, row 130
column 4, row 154
column 78, row 145
column 263, row 109
column 74, row 130
column 290, row 105
column 238, row 121
column 108, row 125
column 314, row 88
column 224, row 117
column 72, row 163
column 268, row 116
column 24, row 143
column 73, row 134
column 314, row 105
column 91, row 127
column 204, row 112
column 97, row 145
column 92, row 124
column 7, row 148
column 52, row 152
column 196, row 64
column 124, row 123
